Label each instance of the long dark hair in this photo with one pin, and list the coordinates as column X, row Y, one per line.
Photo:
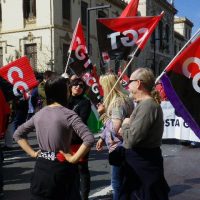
column 56, row 90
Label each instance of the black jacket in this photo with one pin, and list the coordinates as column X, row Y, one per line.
column 82, row 107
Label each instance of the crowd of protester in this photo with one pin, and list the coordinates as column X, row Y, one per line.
column 132, row 131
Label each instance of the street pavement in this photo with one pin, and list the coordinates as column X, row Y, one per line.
column 181, row 170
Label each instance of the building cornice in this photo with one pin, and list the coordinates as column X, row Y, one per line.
column 165, row 4
column 183, row 20
column 55, row 26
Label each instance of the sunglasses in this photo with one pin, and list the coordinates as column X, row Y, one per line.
column 130, row 81
column 78, row 84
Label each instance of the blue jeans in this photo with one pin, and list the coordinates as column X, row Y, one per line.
column 19, row 119
column 116, row 180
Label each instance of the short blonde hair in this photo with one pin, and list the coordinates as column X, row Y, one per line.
column 107, row 82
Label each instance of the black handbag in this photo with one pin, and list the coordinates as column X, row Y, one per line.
column 117, row 156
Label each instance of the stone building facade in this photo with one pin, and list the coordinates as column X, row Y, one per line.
column 42, row 30
column 160, row 49
column 182, row 32
column 169, row 37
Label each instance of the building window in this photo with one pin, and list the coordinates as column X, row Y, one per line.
column 160, row 31
column 31, row 53
column 84, row 7
column 29, row 9
column 0, row 13
column 1, row 56
column 175, row 48
column 180, row 47
column 153, row 36
column 153, row 40
column 167, row 33
column 189, row 33
column 65, row 55
column 101, row 14
column 186, row 31
column 66, row 9
column 167, row 37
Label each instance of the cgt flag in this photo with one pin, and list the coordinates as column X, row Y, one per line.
column 17, row 78
column 118, row 36
column 181, row 81
column 79, row 59
column 81, row 65
column 131, row 9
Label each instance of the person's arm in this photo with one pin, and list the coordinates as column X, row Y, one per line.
column 23, row 143
column 118, row 114
column 20, row 136
column 114, row 122
column 75, row 122
column 82, row 151
column 102, row 137
column 85, row 110
column 99, row 144
column 135, row 129
column 116, row 125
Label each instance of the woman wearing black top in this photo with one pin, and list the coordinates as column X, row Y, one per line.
column 82, row 106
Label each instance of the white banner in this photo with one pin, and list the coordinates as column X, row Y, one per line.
column 175, row 127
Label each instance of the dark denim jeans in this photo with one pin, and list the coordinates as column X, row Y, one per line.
column 84, row 180
column 116, row 180
column 1, row 170
column 19, row 119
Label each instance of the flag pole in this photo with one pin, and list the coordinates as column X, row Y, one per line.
column 132, row 58
column 70, row 47
column 158, row 78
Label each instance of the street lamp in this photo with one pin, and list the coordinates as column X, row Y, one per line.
column 88, row 22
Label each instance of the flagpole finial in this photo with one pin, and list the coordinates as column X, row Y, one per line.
column 65, row 75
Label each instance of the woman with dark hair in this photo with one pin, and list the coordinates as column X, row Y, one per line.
column 54, row 173
column 82, row 106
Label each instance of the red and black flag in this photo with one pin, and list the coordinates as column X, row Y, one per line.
column 79, row 58
column 131, row 9
column 124, row 79
column 92, row 80
column 181, row 82
column 80, row 63
column 117, row 37
column 16, row 78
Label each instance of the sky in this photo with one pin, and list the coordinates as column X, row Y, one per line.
column 189, row 9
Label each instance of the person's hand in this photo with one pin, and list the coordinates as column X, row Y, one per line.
column 35, row 154
column 99, row 145
column 68, row 156
column 100, row 108
column 126, row 121
column 120, row 132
